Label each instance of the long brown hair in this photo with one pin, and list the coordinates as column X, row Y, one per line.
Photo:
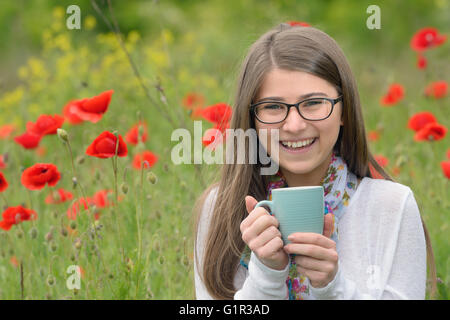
column 304, row 49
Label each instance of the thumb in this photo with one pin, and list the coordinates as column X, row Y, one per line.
column 250, row 203
column 328, row 225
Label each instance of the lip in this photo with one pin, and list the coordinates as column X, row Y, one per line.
column 303, row 150
column 295, row 140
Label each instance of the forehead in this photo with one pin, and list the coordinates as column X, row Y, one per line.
column 290, row 85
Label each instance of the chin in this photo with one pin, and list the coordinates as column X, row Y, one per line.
column 297, row 168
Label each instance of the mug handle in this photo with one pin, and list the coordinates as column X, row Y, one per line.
column 265, row 203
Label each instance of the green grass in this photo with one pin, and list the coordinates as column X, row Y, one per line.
column 188, row 46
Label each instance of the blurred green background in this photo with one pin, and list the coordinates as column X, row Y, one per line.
column 198, row 46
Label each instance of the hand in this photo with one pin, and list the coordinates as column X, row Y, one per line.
column 260, row 232
column 316, row 255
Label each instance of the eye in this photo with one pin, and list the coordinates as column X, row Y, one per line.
column 271, row 106
column 312, row 103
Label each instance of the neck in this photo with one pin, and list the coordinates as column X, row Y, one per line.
column 312, row 178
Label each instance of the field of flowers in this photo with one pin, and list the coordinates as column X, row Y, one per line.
column 86, row 176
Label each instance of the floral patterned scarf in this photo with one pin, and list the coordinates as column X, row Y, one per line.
column 339, row 185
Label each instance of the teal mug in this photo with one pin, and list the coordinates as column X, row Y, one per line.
column 297, row 209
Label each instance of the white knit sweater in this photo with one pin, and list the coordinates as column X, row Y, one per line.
column 381, row 248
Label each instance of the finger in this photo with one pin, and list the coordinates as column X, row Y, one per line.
column 313, row 264
column 266, row 236
column 271, row 248
column 328, row 225
column 312, row 238
column 252, row 217
column 309, row 250
column 263, row 222
column 312, row 275
column 250, row 203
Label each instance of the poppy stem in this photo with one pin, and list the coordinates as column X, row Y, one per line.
column 71, row 158
column 115, row 202
column 4, row 199
column 91, row 214
column 138, row 215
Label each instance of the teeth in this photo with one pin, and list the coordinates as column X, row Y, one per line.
column 297, row 144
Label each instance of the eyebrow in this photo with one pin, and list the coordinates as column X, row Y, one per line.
column 304, row 96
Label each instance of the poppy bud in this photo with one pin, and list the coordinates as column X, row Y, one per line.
column 124, row 187
column 130, row 264
column 77, row 244
column 80, row 159
column 53, row 246
column 151, row 177
column 62, row 134
column 33, row 233
column 185, row 261
column 161, row 259
column 73, row 225
column 74, row 182
column 49, row 236
column 64, row 232
column 97, row 225
column 19, row 234
column 50, row 280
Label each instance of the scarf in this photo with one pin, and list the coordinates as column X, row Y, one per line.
column 339, row 185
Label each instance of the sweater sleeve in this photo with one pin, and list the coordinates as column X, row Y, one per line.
column 263, row 283
column 403, row 272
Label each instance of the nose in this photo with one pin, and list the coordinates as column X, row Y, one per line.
column 294, row 122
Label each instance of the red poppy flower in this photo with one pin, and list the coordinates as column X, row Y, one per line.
column 212, row 138
column 3, row 182
column 140, row 158
column 81, row 203
column 420, row 119
column 421, row 61
column 445, row 165
column 92, row 109
column 70, row 109
column 58, row 196
column 219, row 113
column 395, row 93
column 28, row 140
column 40, row 174
column 432, row 131
column 2, row 162
column 374, row 173
column 427, row 38
column 101, row 200
column 45, row 124
column 132, row 135
column 6, row 130
column 104, row 146
column 15, row 215
column 193, row 100
column 298, row 24
column 437, row 89
column 373, row 135
column 382, row 160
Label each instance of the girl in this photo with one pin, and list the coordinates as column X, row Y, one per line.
column 374, row 246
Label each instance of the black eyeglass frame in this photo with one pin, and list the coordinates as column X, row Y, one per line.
column 297, row 106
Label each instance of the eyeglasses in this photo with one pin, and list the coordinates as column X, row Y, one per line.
column 313, row 109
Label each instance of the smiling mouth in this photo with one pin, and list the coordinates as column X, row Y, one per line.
column 298, row 144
